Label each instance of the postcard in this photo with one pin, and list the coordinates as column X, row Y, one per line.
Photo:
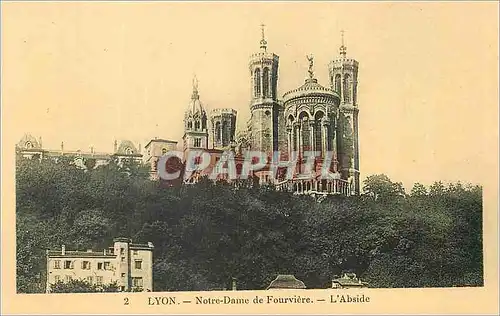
column 249, row 157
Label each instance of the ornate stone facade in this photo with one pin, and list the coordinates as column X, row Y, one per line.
column 309, row 118
column 195, row 123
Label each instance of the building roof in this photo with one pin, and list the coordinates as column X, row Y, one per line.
column 29, row 142
column 160, row 140
column 286, row 282
column 311, row 87
column 221, row 111
column 127, row 148
column 195, row 107
column 79, row 254
column 350, row 279
column 148, row 246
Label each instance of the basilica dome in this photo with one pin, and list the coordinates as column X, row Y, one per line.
column 195, row 106
column 311, row 88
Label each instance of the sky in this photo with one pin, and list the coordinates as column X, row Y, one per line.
column 89, row 73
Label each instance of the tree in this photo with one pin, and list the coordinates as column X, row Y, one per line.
column 207, row 233
column 418, row 190
column 380, row 186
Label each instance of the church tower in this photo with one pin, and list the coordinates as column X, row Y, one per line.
column 223, row 125
column 195, row 123
column 344, row 80
column 266, row 111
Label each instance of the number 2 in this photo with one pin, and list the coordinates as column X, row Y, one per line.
column 125, row 301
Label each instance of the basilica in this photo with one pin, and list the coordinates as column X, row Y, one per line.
column 312, row 117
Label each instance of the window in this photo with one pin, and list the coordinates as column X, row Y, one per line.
column 135, row 252
column 99, row 266
column 106, row 265
column 89, row 279
column 122, row 288
column 122, row 251
column 69, row 278
column 57, row 264
column 347, row 88
column 217, row 132
column 138, row 264
column 85, row 265
column 256, row 82
column 57, row 278
column 163, row 151
column 265, row 82
column 197, row 142
column 98, row 280
column 123, row 259
column 137, row 282
column 123, row 275
column 338, row 81
column 68, row 264
column 224, row 137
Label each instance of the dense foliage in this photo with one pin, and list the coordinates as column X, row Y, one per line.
column 206, row 234
column 81, row 286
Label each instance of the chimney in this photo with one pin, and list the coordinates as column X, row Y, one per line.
column 63, row 250
column 104, row 251
column 89, row 250
column 234, row 284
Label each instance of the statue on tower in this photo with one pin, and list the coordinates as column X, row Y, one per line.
column 311, row 64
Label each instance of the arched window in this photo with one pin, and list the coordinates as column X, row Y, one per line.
column 197, row 125
column 256, row 82
column 203, row 122
column 338, row 82
column 28, row 145
column 190, row 124
column 217, row 132
column 305, row 131
column 265, row 81
column 225, row 133
column 318, row 131
column 347, row 88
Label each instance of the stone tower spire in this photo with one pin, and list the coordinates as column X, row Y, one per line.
column 263, row 42
column 343, row 48
column 195, row 122
column 344, row 80
column 264, row 106
column 195, row 95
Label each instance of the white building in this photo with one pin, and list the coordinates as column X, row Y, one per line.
column 129, row 265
